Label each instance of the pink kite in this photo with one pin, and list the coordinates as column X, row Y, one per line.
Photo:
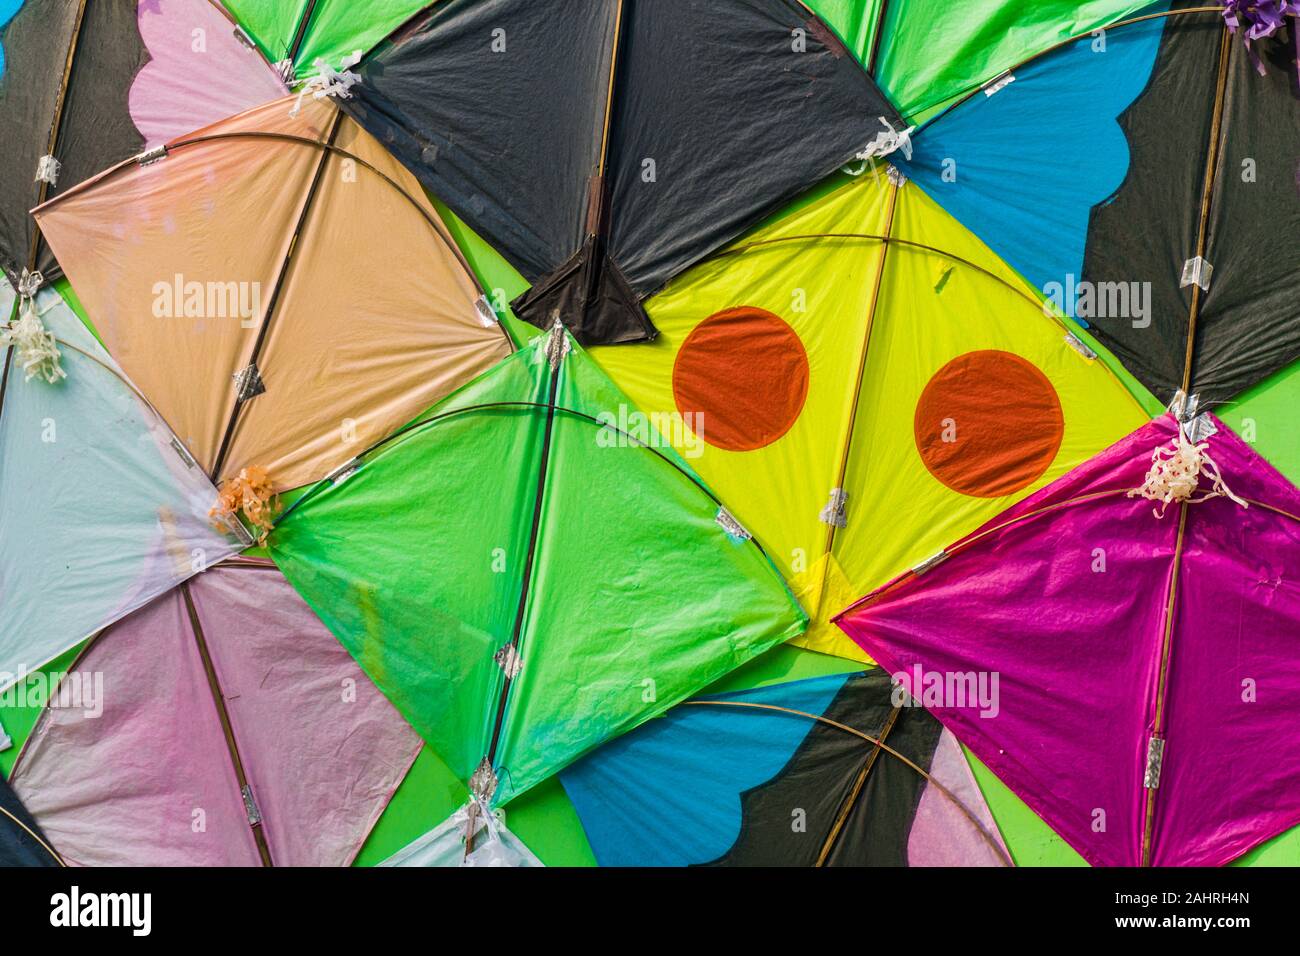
column 1134, row 678
column 221, row 725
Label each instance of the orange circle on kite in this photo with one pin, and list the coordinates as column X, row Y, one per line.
column 741, row 378
column 988, row 423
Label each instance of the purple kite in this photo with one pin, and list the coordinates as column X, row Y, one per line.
column 1132, row 672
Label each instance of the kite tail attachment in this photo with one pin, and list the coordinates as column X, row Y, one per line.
column 251, row 494
column 47, row 170
column 329, row 81
column 1176, row 471
column 1260, row 19
column 887, row 141
column 38, row 349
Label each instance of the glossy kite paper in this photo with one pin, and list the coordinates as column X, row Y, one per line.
column 523, row 579
column 1131, row 676
column 222, row 725
column 825, row 771
column 602, row 146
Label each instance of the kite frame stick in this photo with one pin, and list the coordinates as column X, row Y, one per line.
column 516, row 632
column 833, row 836
column 218, row 700
column 863, row 357
column 264, row 326
column 300, row 33
column 56, row 123
column 880, row 744
column 873, row 56
column 1207, row 193
column 1167, row 638
column 1162, row 678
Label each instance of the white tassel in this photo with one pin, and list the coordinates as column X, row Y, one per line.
column 1175, row 475
column 47, row 170
column 329, row 81
column 37, row 348
column 888, row 140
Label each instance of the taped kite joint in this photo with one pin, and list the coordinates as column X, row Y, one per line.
column 1183, row 406
column 250, row 806
column 236, row 528
column 344, row 471
column 151, row 156
column 1155, row 760
column 486, row 314
column 833, row 514
column 933, row 561
column 182, row 452
column 47, row 170
column 557, row 343
column 895, row 175
column 483, row 782
column 245, row 40
column 1076, row 343
column 248, row 382
column 735, row 530
column 998, row 83
column 508, row 659
column 1196, row 271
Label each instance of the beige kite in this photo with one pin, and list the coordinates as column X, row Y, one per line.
column 278, row 286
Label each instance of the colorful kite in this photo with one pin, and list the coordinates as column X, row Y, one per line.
column 820, row 772
column 862, row 381
column 1139, row 653
column 228, row 273
column 602, row 147
column 500, row 561
column 262, row 740
column 564, row 582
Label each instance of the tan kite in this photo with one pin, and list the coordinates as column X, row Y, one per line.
column 279, row 287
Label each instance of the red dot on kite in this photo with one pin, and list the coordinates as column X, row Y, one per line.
column 988, row 423
column 741, row 378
